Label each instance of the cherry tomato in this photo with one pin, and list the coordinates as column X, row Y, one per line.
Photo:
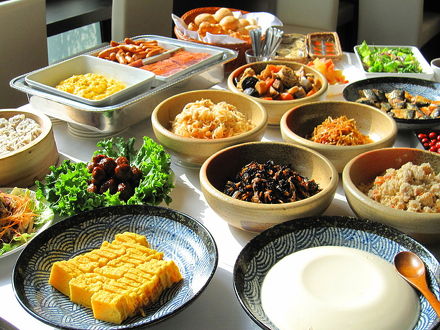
column 426, row 145
column 421, row 136
column 424, row 140
column 432, row 135
column 433, row 149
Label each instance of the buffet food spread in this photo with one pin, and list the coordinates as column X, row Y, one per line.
column 132, row 183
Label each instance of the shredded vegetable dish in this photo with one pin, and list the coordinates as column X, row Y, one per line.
column 20, row 217
column 339, row 131
column 204, row 119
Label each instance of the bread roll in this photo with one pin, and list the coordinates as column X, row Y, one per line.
column 204, row 17
column 242, row 22
column 229, row 23
column 222, row 12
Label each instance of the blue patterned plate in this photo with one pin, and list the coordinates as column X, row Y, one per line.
column 180, row 237
column 266, row 249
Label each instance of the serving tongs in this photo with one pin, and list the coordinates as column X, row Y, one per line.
column 271, row 41
column 257, row 43
column 161, row 56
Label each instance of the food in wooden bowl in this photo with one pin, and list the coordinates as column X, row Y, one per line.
column 338, row 130
column 196, row 124
column 278, row 85
column 256, row 185
column 376, row 189
column 28, row 147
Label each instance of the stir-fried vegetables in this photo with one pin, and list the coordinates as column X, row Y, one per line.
column 388, row 59
column 66, row 187
column 339, row 131
column 20, row 217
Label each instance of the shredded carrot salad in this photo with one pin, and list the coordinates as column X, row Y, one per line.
column 339, row 131
column 16, row 216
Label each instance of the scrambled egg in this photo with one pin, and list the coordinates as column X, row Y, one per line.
column 91, row 86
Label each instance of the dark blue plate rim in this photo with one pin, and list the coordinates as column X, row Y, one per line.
column 197, row 227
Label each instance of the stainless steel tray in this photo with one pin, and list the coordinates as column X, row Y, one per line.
column 117, row 117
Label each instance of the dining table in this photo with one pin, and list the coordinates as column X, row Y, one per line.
column 217, row 307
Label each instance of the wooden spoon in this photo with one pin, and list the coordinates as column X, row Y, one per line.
column 412, row 269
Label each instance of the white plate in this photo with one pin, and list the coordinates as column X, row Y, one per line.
column 48, row 213
column 135, row 80
column 427, row 72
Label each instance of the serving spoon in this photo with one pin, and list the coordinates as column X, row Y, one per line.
column 412, row 269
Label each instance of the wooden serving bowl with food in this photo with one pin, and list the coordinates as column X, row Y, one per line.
column 28, row 147
column 338, row 130
column 256, row 185
column 278, row 85
column 194, row 125
column 392, row 186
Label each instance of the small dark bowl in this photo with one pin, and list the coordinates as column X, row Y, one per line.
column 426, row 88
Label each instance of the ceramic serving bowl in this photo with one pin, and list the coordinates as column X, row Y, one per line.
column 276, row 108
column 256, row 217
column 31, row 162
column 364, row 168
column 258, row 257
column 298, row 123
column 194, row 151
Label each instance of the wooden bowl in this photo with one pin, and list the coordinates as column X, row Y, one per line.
column 22, row 167
column 276, row 108
column 256, row 217
column 193, row 151
column 298, row 123
column 364, row 168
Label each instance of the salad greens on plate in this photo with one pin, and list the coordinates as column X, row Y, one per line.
column 22, row 216
column 66, row 186
column 388, row 59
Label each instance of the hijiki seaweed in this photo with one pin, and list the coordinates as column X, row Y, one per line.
column 270, row 183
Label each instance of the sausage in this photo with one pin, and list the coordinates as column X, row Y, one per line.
column 106, row 52
column 120, row 57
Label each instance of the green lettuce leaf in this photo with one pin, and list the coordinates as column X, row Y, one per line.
column 65, row 188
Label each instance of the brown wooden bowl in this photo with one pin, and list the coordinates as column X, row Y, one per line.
column 193, row 151
column 256, row 217
column 22, row 167
column 364, row 168
column 297, row 126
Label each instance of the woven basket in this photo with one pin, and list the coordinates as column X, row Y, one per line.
column 189, row 16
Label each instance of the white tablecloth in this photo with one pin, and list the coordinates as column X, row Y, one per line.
column 217, row 307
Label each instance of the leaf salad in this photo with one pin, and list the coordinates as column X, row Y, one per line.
column 21, row 216
column 66, row 186
column 388, row 59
